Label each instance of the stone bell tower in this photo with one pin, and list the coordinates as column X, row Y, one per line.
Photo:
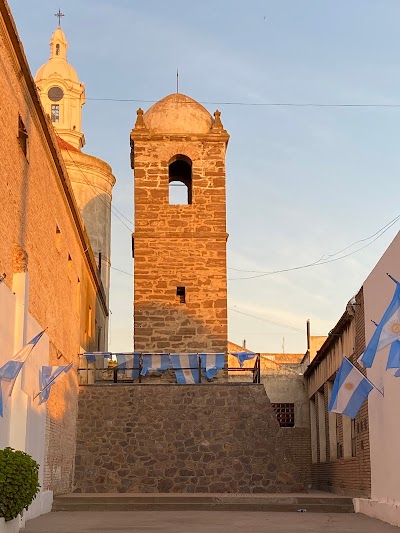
column 179, row 244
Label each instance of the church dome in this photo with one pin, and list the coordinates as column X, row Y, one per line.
column 178, row 113
column 57, row 65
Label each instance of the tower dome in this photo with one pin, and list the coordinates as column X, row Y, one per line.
column 178, row 113
column 61, row 93
column 57, row 65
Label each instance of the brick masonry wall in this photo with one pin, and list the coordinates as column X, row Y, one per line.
column 164, row 438
column 33, row 203
column 298, row 443
column 350, row 476
column 180, row 245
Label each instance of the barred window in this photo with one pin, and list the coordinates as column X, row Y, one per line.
column 55, row 113
column 285, row 414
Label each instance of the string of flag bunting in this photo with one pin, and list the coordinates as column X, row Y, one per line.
column 185, row 365
column 351, row 388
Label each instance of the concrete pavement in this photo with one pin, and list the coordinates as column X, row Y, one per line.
column 204, row 522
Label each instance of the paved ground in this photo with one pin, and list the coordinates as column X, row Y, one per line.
column 207, row 522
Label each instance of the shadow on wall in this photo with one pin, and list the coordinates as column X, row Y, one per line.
column 97, row 218
column 161, row 327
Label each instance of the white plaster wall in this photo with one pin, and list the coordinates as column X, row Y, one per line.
column 7, row 314
column 23, row 425
column 384, row 428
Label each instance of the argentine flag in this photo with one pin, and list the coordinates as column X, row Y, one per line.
column 155, row 361
column 47, row 377
column 387, row 331
column 393, row 361
column 128, row 363
column 186, row 366
column 91, row 357
column 243, row 356
column 350, row 389
column 212, row 362
column 9, row 372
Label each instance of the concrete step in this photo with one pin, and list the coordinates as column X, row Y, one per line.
column 312, row 503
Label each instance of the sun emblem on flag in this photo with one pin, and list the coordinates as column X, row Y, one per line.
column 394, row 327
column 349, row 386
column 186, row 373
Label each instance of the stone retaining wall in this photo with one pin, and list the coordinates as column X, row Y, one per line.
column 181, row 438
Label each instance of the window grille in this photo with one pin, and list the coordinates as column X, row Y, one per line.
column 285, row 414
column 55, row 113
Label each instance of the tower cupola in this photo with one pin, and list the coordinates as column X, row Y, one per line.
column 61, row 93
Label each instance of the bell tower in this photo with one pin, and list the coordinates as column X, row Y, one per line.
column 61, row 93
column 179, row 245
column 62, row 96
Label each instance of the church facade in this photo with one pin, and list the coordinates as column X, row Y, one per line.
column 50, row 277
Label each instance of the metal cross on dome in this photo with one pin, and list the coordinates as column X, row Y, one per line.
column 59, row 15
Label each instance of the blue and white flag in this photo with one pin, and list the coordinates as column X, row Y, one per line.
column 387, row 331
column 128, row 363
column 243, row 356
column 186, row 367
column 155, row 361
column 47, row 377
column 350, row 389
column 92, row 357
column 212, row 362
column 9, row 372
column 393, row 361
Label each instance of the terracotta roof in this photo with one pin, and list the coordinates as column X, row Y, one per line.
column 64, row 145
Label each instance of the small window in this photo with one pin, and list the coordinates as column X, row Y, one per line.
column 55, row 113
column 99, row 337
column 90, row 320
column 23, row 137
column 285, row 414
column 78, row 297
column 57, row 49
column 180, row 180
column 58, row 238
column 70, row 267
column 181, row 294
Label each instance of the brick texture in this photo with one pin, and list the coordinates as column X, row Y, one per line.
column 180, row 245
column 35, row 199
column 350, row 476
column 163, row 438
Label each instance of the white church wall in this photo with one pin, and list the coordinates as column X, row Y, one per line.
column 383, row 411
column 7, row 317
column 23, row 425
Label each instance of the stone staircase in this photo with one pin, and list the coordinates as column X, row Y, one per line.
column 316, row 502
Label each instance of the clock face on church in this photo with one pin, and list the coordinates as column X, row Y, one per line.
column 55, row 94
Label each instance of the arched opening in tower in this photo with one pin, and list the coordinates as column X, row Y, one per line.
column 180, row 180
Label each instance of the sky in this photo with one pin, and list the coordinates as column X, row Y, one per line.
column 303, row 182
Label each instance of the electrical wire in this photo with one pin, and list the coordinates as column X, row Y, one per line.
column 329, row 255
column 250, row 104
column 320, row 262
column 96, row 190
column 279, row 324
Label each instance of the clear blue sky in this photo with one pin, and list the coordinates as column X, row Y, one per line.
column 302, row 182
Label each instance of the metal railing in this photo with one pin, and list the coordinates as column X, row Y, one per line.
column 128, row 371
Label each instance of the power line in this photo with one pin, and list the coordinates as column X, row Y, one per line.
column 122, row 271
column 267, row 320
column 251, row 104
column 377, row 235
column 96, row 189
